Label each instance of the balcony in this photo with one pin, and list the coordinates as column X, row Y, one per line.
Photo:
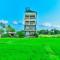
column 30, row 30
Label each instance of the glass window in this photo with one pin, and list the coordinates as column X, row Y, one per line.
column 27, row 33
column 27, row 22
column 27, row 27
column 32, row 17
column 26, row 16
column 32, row 22
column 32, row 27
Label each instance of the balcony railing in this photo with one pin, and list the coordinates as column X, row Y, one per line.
column 30, row 30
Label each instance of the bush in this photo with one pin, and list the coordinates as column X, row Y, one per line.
column 35, row 34
column 5, row 35
column 20, row 34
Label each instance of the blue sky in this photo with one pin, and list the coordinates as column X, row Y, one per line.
column 48, row 12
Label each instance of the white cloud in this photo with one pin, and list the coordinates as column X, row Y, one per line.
column 46, row 24
column 15, row 22
column 18, row 22
column 4, row 21
column 57, row 26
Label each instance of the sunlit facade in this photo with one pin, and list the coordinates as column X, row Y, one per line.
column 30, row 22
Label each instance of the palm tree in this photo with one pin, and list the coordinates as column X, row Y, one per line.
column 10, row 31
column 1, row 32
column 3, row 25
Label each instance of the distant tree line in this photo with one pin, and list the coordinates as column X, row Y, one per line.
column 49, row 32
column 9, row 31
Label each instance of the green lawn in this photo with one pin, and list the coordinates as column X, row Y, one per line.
column 30, row 49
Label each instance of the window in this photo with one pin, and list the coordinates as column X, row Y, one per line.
column 27, row 33
column 32, row 33
column 32, row 27
column 32, row 22
column 26, row 16
column 27, row 27
column 32, row 17
column 27, row 22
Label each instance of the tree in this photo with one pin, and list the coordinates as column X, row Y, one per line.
column 2, row 25
column 35, row 34
column 5, row 35
column 20, row 34
column 56, row 31
column 1, row 32
column 43, row 32
column 10, row 31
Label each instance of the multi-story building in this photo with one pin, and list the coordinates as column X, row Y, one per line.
column 30, row 22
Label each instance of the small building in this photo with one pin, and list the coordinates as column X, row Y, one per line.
column 11, row 34
column 30, row 22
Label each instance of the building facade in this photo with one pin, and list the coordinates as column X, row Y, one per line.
column 30, row 22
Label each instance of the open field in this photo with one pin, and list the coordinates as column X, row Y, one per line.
column 30, row 49
column 56, row 35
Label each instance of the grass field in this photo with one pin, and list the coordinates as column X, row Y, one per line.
column 30, row 49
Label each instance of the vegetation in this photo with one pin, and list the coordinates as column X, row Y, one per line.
column 1, row 32
column 11, row 32
column 20, row 34
column 30, row 49
column 49, row 33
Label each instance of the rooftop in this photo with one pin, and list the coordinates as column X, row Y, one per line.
column 29, row 10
